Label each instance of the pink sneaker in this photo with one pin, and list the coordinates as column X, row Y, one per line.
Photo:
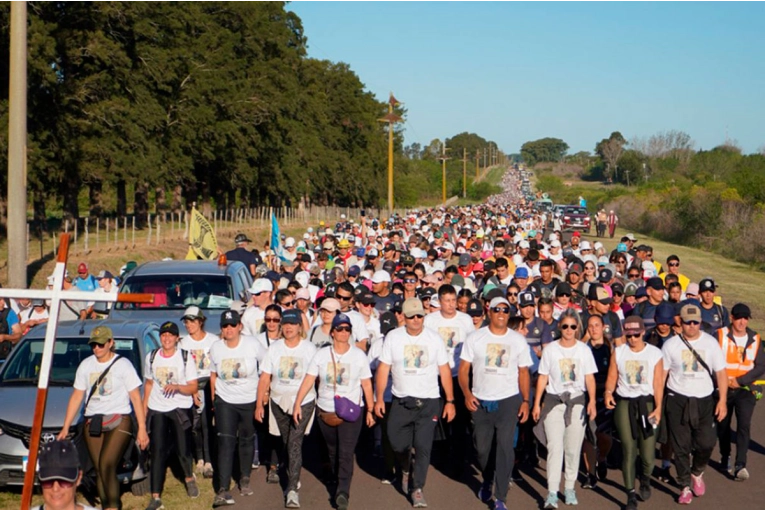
column 698, row 486
column 685, row 497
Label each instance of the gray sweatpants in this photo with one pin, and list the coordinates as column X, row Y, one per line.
column 563, row 443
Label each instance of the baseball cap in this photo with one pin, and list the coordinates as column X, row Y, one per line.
column 740, row 311
column 389, row 266
column 563, row 288
column 193, row 312
column 292, row 316
column 521, row 272
column 100, row 335
column 388, row 322
column 303, row 294
column 407, row 260
column 690, row 313
column 605, row 275
column 241, row 238
column 381, row 277
column 631, row 237
column 169, row 327
column 617, row 287
column 655, row 283
column 525, row 299
column 412, row 307
column 104, row 274
column 707, row 284
column 261, row 285
column 59, row 461
column 464, row 259
column 641, row 292
column 426, row 293
column 341, row 319
column 576, row 267
column 598, row 293
column 692, row 289
column 474, row 308
column 665, row 314
column 354, row 271
column 498, row 301
column 633, row 325
column 82, row 268
column 330, row 304
column 366, row 298
column 229, row 318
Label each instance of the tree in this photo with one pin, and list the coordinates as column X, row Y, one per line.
column 543, row 150
column 610, row 150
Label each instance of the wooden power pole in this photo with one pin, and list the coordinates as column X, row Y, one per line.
column 464, row 172
column 391, row 119
column 443, row 159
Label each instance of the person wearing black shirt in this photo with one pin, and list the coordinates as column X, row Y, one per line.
column 243, row 255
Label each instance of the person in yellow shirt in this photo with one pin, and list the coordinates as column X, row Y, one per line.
column 673, row 267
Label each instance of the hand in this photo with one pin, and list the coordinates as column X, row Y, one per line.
column 610, row 402
column 536, row 412
column 523, row 412
column 170, row 390
column 721, row 410
column 297, row 414
column 143, row 439
column 62, row 435
column 380, row 408
column 370, row 419
column 592, row 411
column 197, row 400
column 733, row 383
column 656, row 415
column 471, row 403
column 449, row 412
column 260, row 413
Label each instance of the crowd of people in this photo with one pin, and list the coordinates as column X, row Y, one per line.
column 477, row 325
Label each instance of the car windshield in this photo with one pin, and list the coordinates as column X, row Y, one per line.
column 180, row 291
column 576, row 210
column 24, row 365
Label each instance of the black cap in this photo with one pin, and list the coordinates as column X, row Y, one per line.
column 563, row 288
column 59, row 461
column 707, row 284
column 526, row 299
column 605, row 275
column 388, row 322
column 292, row 316
column 426, row 293
column 229, row 318
column 407, row 260
column 389, row 266
column 474, row 308
column 740, row 311
column 169, row 327
column 655, row 283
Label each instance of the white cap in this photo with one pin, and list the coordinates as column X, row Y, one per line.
column 373, row 252
column 555, row 243
column 524, row 245
column 434, row 301
column 310, row 230
column 289, row 242
column 261, row 285
column 342, row 216
column 303, row 277
column 597, row 245
column 584, row 245
column 381, row 277
column 498, row 301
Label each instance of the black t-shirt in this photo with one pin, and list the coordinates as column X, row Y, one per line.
column 244, row 256
column 602, row 355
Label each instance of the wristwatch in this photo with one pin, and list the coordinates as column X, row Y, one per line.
column 450, row 402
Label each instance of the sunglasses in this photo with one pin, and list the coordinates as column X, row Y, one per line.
column 674, row 264
column 564, row 295
column 367, row 304
column 224, row 326
column 416, row 317
column 343, row 298
column 512, row 294
column 64, row 484
column 344, row 329
column 272, row 320
column 190, row 319
column 97, row 346
column 692, row 323
column 288, row 303
column 634, row 275
column 500, row 309
column 634, row 336
column 410, row 280
column 572, row 327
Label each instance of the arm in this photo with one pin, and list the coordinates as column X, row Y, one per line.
column 658, row 390
column 450, row 410
column 71, row 411
column 263, row 385
column 589, row 382
column 541, row 385
column 148, row 386
column 366, row 388
column 722, row 385
column 213, row 380
column 463, row 377
column 524, row 384
column 142, row 437
column 613, row 377
column 756, row 373
column 305, row 387
column 15, row 334
column 381, row 382
column 363, row 344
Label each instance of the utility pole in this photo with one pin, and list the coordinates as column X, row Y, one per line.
column 443, row 159
column 464, row 172
column 391, row 119
column 17, row 152
column 484, row 158
column 477, row 162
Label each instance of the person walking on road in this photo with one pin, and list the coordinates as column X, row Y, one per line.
column 693, row 361
column 745, row 362
column 499, row 359
column 415, row 357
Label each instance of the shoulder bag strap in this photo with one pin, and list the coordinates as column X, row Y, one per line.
column 334, row 373
column 698, row 358
column 98, row 381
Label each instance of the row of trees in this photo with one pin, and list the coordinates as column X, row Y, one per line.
column 214, row 102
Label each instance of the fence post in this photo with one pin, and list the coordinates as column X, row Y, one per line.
column 158, row 230
column 87, row 234
column 106, row 243
column 98, row 230
column 116, row 231
column 74, row 246
column 124, row 230
column 186, row 228
column 66, row 226
column 133, row 231
column 148, row 236
column 53, row 236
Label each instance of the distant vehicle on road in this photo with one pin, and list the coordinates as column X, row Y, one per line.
column 543, row 204
column 576, row 218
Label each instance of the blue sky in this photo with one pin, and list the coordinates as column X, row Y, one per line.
column 514, row 72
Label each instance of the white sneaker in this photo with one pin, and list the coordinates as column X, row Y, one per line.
column 293, row 500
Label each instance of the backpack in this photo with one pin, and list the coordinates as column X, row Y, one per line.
column 184, row 355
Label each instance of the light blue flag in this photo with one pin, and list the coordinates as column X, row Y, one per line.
column 276, row 239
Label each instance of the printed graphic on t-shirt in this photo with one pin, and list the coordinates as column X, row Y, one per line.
column 104, row 387
column 497, row 356
column 290, row 368
column 568, row 368
column 448, row 335
column 258, row 325
column 341, row 377
column 636, row 372
column 691, row 365
column 201, row 358
column 165, row 376
column 415, row 357
column 232, row 368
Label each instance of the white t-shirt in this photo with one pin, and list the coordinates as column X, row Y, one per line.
column 453, row 332
column 32, row 314
column 636, row 370
column 236, row 370
column 686, row 375
column 359, row 327
column 111, row 396
column 566, row 367
column 495, row 361
column 200, row 352
column 414, row 361
column 374, row 361
column 352, row 367
column 169, row 371
column 287, row 368
column 252, row 320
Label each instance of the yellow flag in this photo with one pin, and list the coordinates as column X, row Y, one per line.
column 202, row 242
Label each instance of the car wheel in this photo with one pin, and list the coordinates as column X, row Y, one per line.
column 140, row 488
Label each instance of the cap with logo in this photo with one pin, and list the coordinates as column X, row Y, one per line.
column 193, row 312
column 707, row 284
column 229, row 318
column 605, row 275
column 633, row 325
column 292, row 316
column 82, row 268
column 464, row 259
column 598, row 293
column 241, row 238
column 474, row 308
column 100, row 335
column 525, row 299
column 354, row 271
column 690, row 313
column 426, row 293
column 388, row 322
column 58, row 460
column 169, row 327
column 340, row 320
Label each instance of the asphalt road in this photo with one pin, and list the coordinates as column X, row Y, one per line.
column 443, row 492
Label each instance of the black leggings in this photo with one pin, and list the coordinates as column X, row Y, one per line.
column 202, row 425
column 167, row 432
column 106, row 453
column 236, row 430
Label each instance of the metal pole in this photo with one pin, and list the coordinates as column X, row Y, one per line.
column 17, row 154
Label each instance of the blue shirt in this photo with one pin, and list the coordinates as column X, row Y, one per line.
column 88, row 284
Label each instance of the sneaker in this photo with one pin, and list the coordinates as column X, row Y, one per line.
column 602, row 470
column 223, row 498
column 685, row 497
column 515, row 475
column 405, row 482
column 632, row 501
column 244, row 487
column 499, row 505
column 569, row 496
column 741, row 474
column 418, row 499
column 342, row 501
column 665, row 476
column 293, row 500
column 552, row 500
column 192, row 489
column 590, row 482
column 388, row 479
column 726, row 464
column 273, row 475
column 200, row 466
column 698, row 486
column 484, row 493
column 255, row 464
column 645, row 489
column 155, row 504
column 207, row 472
